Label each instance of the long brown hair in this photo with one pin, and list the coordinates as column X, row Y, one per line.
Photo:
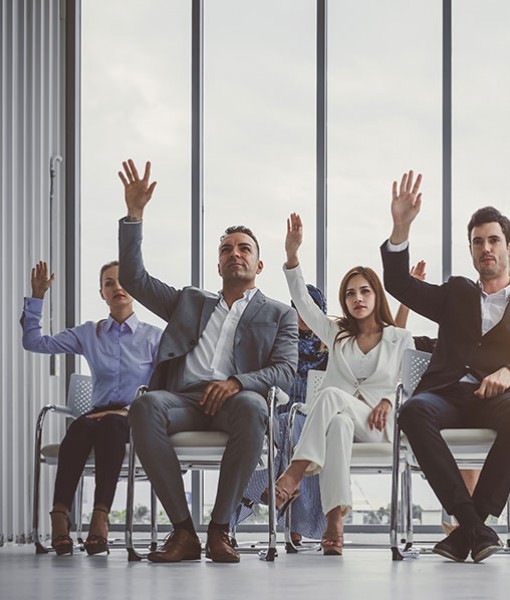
column 348, row 324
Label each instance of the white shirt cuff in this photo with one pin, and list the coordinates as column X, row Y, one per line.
column 397, row 247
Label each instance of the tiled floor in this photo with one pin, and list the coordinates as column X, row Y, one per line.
column 362, row 572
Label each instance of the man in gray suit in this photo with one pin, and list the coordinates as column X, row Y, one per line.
column 219, row 355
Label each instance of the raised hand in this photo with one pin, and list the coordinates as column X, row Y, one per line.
column 137, row 192
column 41, row 283
column 418, row 271
column 293, row 240
column 405, row 205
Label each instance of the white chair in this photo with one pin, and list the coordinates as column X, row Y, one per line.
column 468, row 446
column 79, row 401
column 203, row 450
column 366, row 457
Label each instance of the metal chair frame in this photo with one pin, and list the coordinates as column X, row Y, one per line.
column 469, row 448
column 207, row 456
column 79, row 401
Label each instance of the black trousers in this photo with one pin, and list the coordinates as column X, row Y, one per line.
column 108, row 437
column 423, row 417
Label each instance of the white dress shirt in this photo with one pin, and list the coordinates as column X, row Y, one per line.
column 213, row 357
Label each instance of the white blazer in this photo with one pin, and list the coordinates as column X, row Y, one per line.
column 383, row 381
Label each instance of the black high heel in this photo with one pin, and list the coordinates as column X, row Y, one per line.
column 62, row 544
column 96, row 543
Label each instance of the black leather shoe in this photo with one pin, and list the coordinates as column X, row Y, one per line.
column 220, row 546
column 456, row 546
column 179, row 545
column 484, row 543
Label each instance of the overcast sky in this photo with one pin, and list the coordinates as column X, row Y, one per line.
column 384, row 117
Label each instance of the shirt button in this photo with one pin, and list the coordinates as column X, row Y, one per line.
column 171, row 354
column 192, row 343
column 478, row 344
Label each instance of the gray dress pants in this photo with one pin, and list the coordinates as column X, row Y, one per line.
column 155, row 416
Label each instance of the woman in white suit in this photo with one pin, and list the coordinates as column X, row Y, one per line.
column 355, row 403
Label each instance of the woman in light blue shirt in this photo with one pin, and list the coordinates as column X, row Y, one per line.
column 121, row 353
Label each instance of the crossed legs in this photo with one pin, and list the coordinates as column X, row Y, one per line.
column 325, row 447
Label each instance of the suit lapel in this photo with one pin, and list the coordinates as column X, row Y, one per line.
column 207, row 310
column 254, row 306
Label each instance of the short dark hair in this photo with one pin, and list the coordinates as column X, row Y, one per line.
column 241, row 229
column 489, row 214
column 113, row 263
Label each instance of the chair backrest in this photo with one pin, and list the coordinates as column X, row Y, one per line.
column 79, row 397
column 414, row 364
column 313, row 385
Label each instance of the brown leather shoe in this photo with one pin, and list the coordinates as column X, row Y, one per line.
column 179, row 545
column 220, row 546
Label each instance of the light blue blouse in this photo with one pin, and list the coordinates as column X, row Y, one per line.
column 121, row 356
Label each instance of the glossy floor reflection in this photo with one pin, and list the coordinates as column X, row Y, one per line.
column 363, row 572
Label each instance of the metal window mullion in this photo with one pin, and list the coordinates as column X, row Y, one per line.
column 321, row 147
column 447, row 140
column 72, row 168
column 197, row 199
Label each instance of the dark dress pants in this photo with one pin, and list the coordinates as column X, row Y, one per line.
column 108, row 437
column 423, row 417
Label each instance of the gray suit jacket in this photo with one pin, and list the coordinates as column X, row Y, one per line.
column 265, row 343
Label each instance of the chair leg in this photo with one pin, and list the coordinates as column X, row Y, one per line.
column 508, row 523
column 270, row 554
column 154, row 520
column 395, row 476
column 409, row 509
column 78, row 509
column 39, row 548
column 133, row 555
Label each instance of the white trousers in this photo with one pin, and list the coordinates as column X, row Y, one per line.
column 334, row 423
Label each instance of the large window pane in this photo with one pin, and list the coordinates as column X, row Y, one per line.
column 136, row 82
column 259, row 129
column 384, row 117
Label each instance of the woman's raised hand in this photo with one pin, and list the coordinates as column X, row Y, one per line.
column 293, row 240
column 418, row 271
column 41, row 283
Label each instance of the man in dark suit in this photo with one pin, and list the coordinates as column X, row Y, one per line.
column 219, row 355
column 468, row 381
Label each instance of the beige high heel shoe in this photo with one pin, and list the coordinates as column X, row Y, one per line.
column 332, row 546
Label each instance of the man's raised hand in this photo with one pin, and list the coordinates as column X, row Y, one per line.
column 405, row 206
column 137, row 192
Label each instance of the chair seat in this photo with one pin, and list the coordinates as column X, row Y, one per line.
column 189, row 445
column 372, row 456
column 199, row 448
column 50, row 455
